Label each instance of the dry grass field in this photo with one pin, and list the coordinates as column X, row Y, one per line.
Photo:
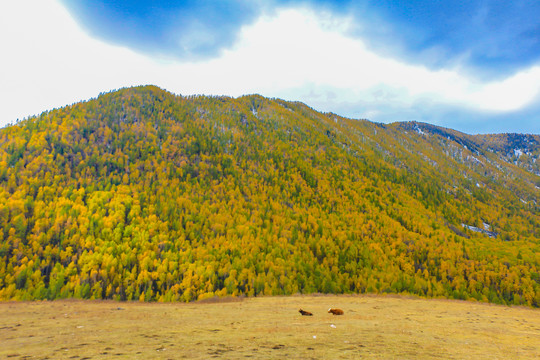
column 269, row 327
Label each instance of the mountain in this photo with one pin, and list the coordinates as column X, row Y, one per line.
column 142, row 194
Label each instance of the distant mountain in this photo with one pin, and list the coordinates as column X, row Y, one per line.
column 141, row 194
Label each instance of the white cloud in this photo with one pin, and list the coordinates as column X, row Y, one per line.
column 293, row 54
column 49, row 62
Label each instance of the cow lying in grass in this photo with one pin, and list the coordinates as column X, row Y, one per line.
column 305, row 313
column 335, row 311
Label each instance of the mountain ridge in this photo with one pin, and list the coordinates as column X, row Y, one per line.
column 142, row 194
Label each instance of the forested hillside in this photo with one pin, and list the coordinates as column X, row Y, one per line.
column 141, row 194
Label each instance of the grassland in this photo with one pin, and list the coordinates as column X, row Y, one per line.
column 269, row 327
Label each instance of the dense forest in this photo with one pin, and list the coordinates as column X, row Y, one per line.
column 140, row 194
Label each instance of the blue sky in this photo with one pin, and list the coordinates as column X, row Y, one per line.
column 473, row 66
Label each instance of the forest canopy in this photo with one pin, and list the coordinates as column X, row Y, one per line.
column 140, row 194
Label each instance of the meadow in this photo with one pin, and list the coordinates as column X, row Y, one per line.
column 269, row 327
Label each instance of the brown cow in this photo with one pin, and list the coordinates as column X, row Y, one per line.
column 305, row 313
column 335, row 311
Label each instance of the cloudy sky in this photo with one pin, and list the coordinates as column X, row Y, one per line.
column 473, row 66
